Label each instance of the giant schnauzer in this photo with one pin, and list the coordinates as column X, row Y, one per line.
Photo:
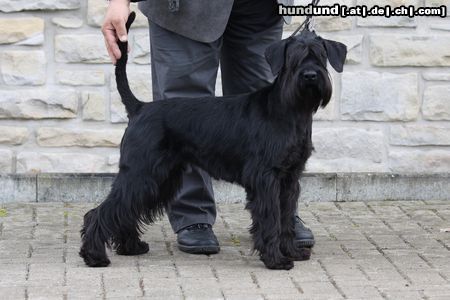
column 259, row 140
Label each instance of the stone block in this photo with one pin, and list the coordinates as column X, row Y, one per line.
column 12, row 135
column 436, row 76
column 390, row 50
column 73, row 187
column 63, row 137
column 382, row 187
column 93, row 105
column 437, row 3
column 21, row 5
column 346, row 149
column 21, row 31
column 71, row 23
column 23, row 67
column 379, row 96
column 318, row 187
column 81, row 48
column 38, row 104
column 6, row 161
column 419, row 161
column 76, row 77
column 440, row 26
column 34, row 162
column 419, row 135
column 436, row 103
column 17, row 188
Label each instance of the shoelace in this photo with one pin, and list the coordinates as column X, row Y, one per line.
column 298, row 219
column 198, row 226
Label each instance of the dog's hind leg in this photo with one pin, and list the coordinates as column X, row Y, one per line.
column 93, row 240
column 264, row 206
column 290, row 191
column 152, row 204
column 117, row 221
column 138, row 196
column 137, row 205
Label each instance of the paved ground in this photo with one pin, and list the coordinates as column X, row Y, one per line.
column 376, row 250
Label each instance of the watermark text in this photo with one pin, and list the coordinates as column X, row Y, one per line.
column 362, row 11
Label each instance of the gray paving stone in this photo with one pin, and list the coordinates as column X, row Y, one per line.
column 381, row 250
column 243, row 296
column 12, row 293
column 361, row 292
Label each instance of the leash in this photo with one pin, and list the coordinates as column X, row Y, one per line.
column 308, row 24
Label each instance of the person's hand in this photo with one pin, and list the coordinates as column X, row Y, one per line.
column 113, row 28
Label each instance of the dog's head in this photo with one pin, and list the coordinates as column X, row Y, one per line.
column 301, row 65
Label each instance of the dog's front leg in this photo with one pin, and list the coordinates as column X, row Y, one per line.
column 290, row 191
column 264, row 206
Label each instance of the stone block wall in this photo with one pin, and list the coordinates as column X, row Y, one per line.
column 60, row 111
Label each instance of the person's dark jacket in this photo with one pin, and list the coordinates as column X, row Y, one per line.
column 200, row 20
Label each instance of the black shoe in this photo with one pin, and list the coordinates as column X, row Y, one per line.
column 198, row 239
column 304, row 237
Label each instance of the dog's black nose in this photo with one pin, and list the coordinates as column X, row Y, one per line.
column 310, row 75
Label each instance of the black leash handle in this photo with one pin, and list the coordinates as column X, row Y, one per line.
column 305, row 25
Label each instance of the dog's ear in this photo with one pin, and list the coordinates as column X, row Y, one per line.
column 276, row 54
column 336, row 52
column 130, row 20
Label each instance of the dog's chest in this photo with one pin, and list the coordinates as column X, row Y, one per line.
column 298, row 149
column 298, row 154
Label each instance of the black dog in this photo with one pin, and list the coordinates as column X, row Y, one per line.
column 260, row 140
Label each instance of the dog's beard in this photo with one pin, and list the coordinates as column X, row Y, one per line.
column 316, row 94
column 327, row 89
column 311, row 97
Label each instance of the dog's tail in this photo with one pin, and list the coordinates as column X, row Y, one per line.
column 132, row 104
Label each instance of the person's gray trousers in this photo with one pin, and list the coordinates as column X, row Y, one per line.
column 182, row 67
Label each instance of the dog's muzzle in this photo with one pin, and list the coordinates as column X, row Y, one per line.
column 310, row 76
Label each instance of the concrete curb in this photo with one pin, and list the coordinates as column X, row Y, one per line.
column 315, row 187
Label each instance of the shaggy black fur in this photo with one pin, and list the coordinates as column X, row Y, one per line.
column 260, row 140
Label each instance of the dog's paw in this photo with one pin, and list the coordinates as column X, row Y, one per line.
column 94, row 260
column 135, row 248
column 282, row 263
column 97, row 263
column 300, row 254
